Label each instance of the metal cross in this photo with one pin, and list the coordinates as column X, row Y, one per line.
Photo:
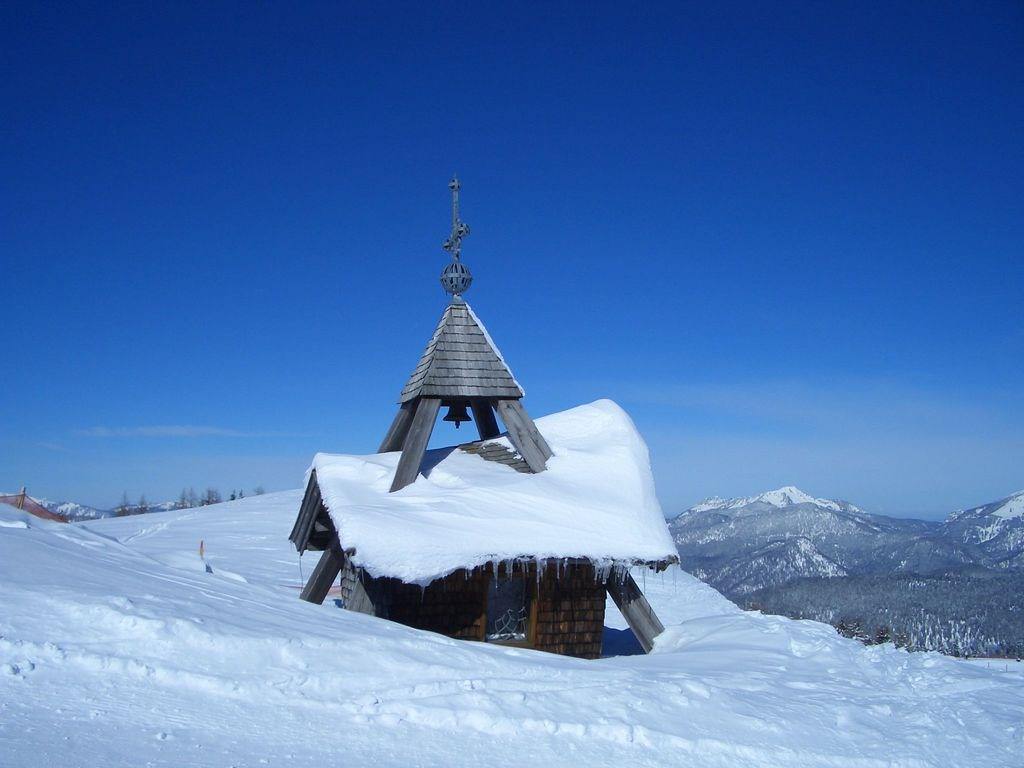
column 459, row 229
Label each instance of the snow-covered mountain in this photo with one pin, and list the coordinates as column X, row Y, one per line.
column 782, row 551
column 997, row 529
column 73, row 511
column 118, row 647
column 776, row 563
column 745, row 544
column 789, row 496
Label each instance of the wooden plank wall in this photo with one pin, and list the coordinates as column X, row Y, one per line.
column 567, row 606
column 455, row 605
column 570, row 611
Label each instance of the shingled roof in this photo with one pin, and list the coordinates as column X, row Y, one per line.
column 461, row 361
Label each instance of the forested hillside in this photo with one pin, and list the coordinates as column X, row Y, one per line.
column 950, row 586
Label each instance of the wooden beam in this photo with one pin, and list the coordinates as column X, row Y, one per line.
column 399, row 428
column 538, row 438
column 416, row 442
column 323, row 576
column 483, row 415
column 636, row 610
column 308, row 511
column 521, row 433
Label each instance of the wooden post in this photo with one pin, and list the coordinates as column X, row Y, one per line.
column 20, row 504
column 523, row 435
column 416, row 442
column 531, row 428
column 323, row 576
column 636, row 610
column 483, row 415
column 399, row 428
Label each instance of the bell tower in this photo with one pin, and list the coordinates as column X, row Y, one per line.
column 461, row 370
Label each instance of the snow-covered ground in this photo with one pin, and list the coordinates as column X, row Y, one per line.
column 1002, row 666
column 117, row 648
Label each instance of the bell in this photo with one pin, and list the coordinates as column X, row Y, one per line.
column 457, row 413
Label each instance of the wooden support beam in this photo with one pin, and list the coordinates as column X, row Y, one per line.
column 483, row 415
column 323, row 576
column 416, row 442
column 636, row 610
column 538, row 438
column 399, row 428
column 524, row 435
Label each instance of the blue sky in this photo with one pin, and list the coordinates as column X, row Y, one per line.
column 786, row 238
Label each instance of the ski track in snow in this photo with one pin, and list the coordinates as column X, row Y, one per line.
column 118, row 649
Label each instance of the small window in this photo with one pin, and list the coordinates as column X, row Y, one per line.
column 508, row 610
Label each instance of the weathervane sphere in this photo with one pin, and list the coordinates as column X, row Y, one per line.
column 456, row 278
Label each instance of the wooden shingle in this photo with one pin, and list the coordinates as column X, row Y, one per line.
column 460, row 361
column 497, row 452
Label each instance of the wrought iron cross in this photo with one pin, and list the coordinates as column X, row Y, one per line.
column 459, row 228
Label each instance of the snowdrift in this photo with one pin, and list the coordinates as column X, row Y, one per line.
column 596, row 500
column 117, row 648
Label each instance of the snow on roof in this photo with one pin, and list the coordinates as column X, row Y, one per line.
column 596, row 500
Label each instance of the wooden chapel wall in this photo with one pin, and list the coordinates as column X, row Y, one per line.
column 455, row 605
column 569, row 611
column 566, row 606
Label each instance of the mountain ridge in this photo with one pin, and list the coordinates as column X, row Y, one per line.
column 990, row 535
column 781, row 551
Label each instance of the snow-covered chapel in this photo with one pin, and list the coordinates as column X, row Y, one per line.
column 514, row 538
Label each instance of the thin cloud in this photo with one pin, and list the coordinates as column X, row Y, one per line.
column 167, row 430
column 51, row 446
column 876, row 408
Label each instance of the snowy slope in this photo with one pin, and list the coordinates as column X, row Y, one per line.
column 773, row 564
column 996, row 528
column 117, row 648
